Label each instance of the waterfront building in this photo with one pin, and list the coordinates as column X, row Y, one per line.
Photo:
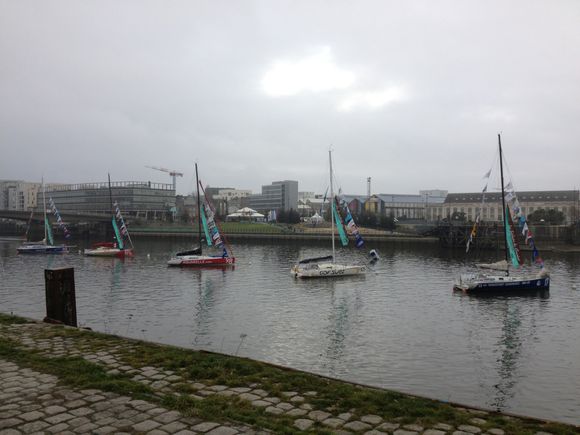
column 136, row 198
column 276, row 196
column 565, row 201
column 18, row 195
column 186, row 207
column 423, row 206
column 227, row 200
column 356, row 203
column 434, row 200
column 309, row 203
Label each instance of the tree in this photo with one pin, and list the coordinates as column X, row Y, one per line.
column 550, row 217
column 458, row 216
column 287, row 216
column 366, row 220
column 388, row 222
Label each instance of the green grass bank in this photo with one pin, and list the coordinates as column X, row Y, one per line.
column 231, row 389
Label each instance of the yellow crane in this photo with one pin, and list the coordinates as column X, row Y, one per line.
column 173, row 174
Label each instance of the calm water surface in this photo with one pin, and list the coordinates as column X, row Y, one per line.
column 399, row 327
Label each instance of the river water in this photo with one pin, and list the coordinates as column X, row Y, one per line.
column 399, row 327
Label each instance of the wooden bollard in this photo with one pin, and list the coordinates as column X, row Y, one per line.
column 61, row 306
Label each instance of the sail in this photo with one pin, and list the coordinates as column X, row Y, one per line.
column 510, row 241
column 48, row 232
column 117, row 234
column 339, row 226
column 352, row 228
column 122, row 226
column 205, row 228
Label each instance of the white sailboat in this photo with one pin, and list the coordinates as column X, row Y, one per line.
column 213, row 236
column 324, row 267
column 46, row 245
column 117, row 248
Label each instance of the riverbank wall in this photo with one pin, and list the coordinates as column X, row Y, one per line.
column 61, row 379
column 288, row 235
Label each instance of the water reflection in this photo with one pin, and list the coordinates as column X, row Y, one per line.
column 516, row 317
column 399, row 326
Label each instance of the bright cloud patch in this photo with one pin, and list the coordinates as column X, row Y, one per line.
column 371, row 99
column 316, row 73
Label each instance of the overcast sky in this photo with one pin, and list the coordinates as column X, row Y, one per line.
column 410, row 93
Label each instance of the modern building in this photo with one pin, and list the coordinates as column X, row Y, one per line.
column 422, row 206
column 18, row 195
column 136, row 198
column 227, row 200
column 565, row 201
column 276, row 196
column 310, row 203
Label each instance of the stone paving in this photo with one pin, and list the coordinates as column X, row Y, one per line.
column 32, row 402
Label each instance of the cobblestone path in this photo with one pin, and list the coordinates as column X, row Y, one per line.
column 34, row 402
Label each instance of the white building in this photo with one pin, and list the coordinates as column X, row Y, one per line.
column 18, row 195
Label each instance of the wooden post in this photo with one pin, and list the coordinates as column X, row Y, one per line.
column 60, row 296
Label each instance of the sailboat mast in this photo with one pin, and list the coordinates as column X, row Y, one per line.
column 44, row 209
column 503, row 218
column 111, row 195
column 111, row 202
column 198, row 209
column 331, row 203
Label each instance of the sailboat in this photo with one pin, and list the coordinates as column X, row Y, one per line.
column 497, row 277
column 323, row 267
column 46, row 245
column 213, row 237
column 120, row 247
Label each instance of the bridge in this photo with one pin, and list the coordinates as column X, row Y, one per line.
column 66, row 216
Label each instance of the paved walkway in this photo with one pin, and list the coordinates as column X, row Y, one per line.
column 33, row 402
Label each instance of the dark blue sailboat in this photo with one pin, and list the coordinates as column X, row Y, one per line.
column 504, row 281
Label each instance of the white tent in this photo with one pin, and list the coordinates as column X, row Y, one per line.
column 316, row 218
column 246, row 213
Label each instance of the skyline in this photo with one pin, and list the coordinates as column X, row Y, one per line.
column 410, row 95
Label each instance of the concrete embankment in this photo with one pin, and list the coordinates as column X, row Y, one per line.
column 289, row 236
column 57, row 379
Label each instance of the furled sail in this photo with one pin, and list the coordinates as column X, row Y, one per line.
column 49, row 232
column 510, row 240
column 117, row 233
column 339, row 226
column 205, row 228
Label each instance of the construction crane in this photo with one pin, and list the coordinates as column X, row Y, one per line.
column 171, row 173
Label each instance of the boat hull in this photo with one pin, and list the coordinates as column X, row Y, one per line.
column 42, row 249
column 503, row 286
column 109, row 252
column 201, row 261
column 327, row 270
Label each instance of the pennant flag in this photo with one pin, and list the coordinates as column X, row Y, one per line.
column 339, row 226
column 525, row 231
